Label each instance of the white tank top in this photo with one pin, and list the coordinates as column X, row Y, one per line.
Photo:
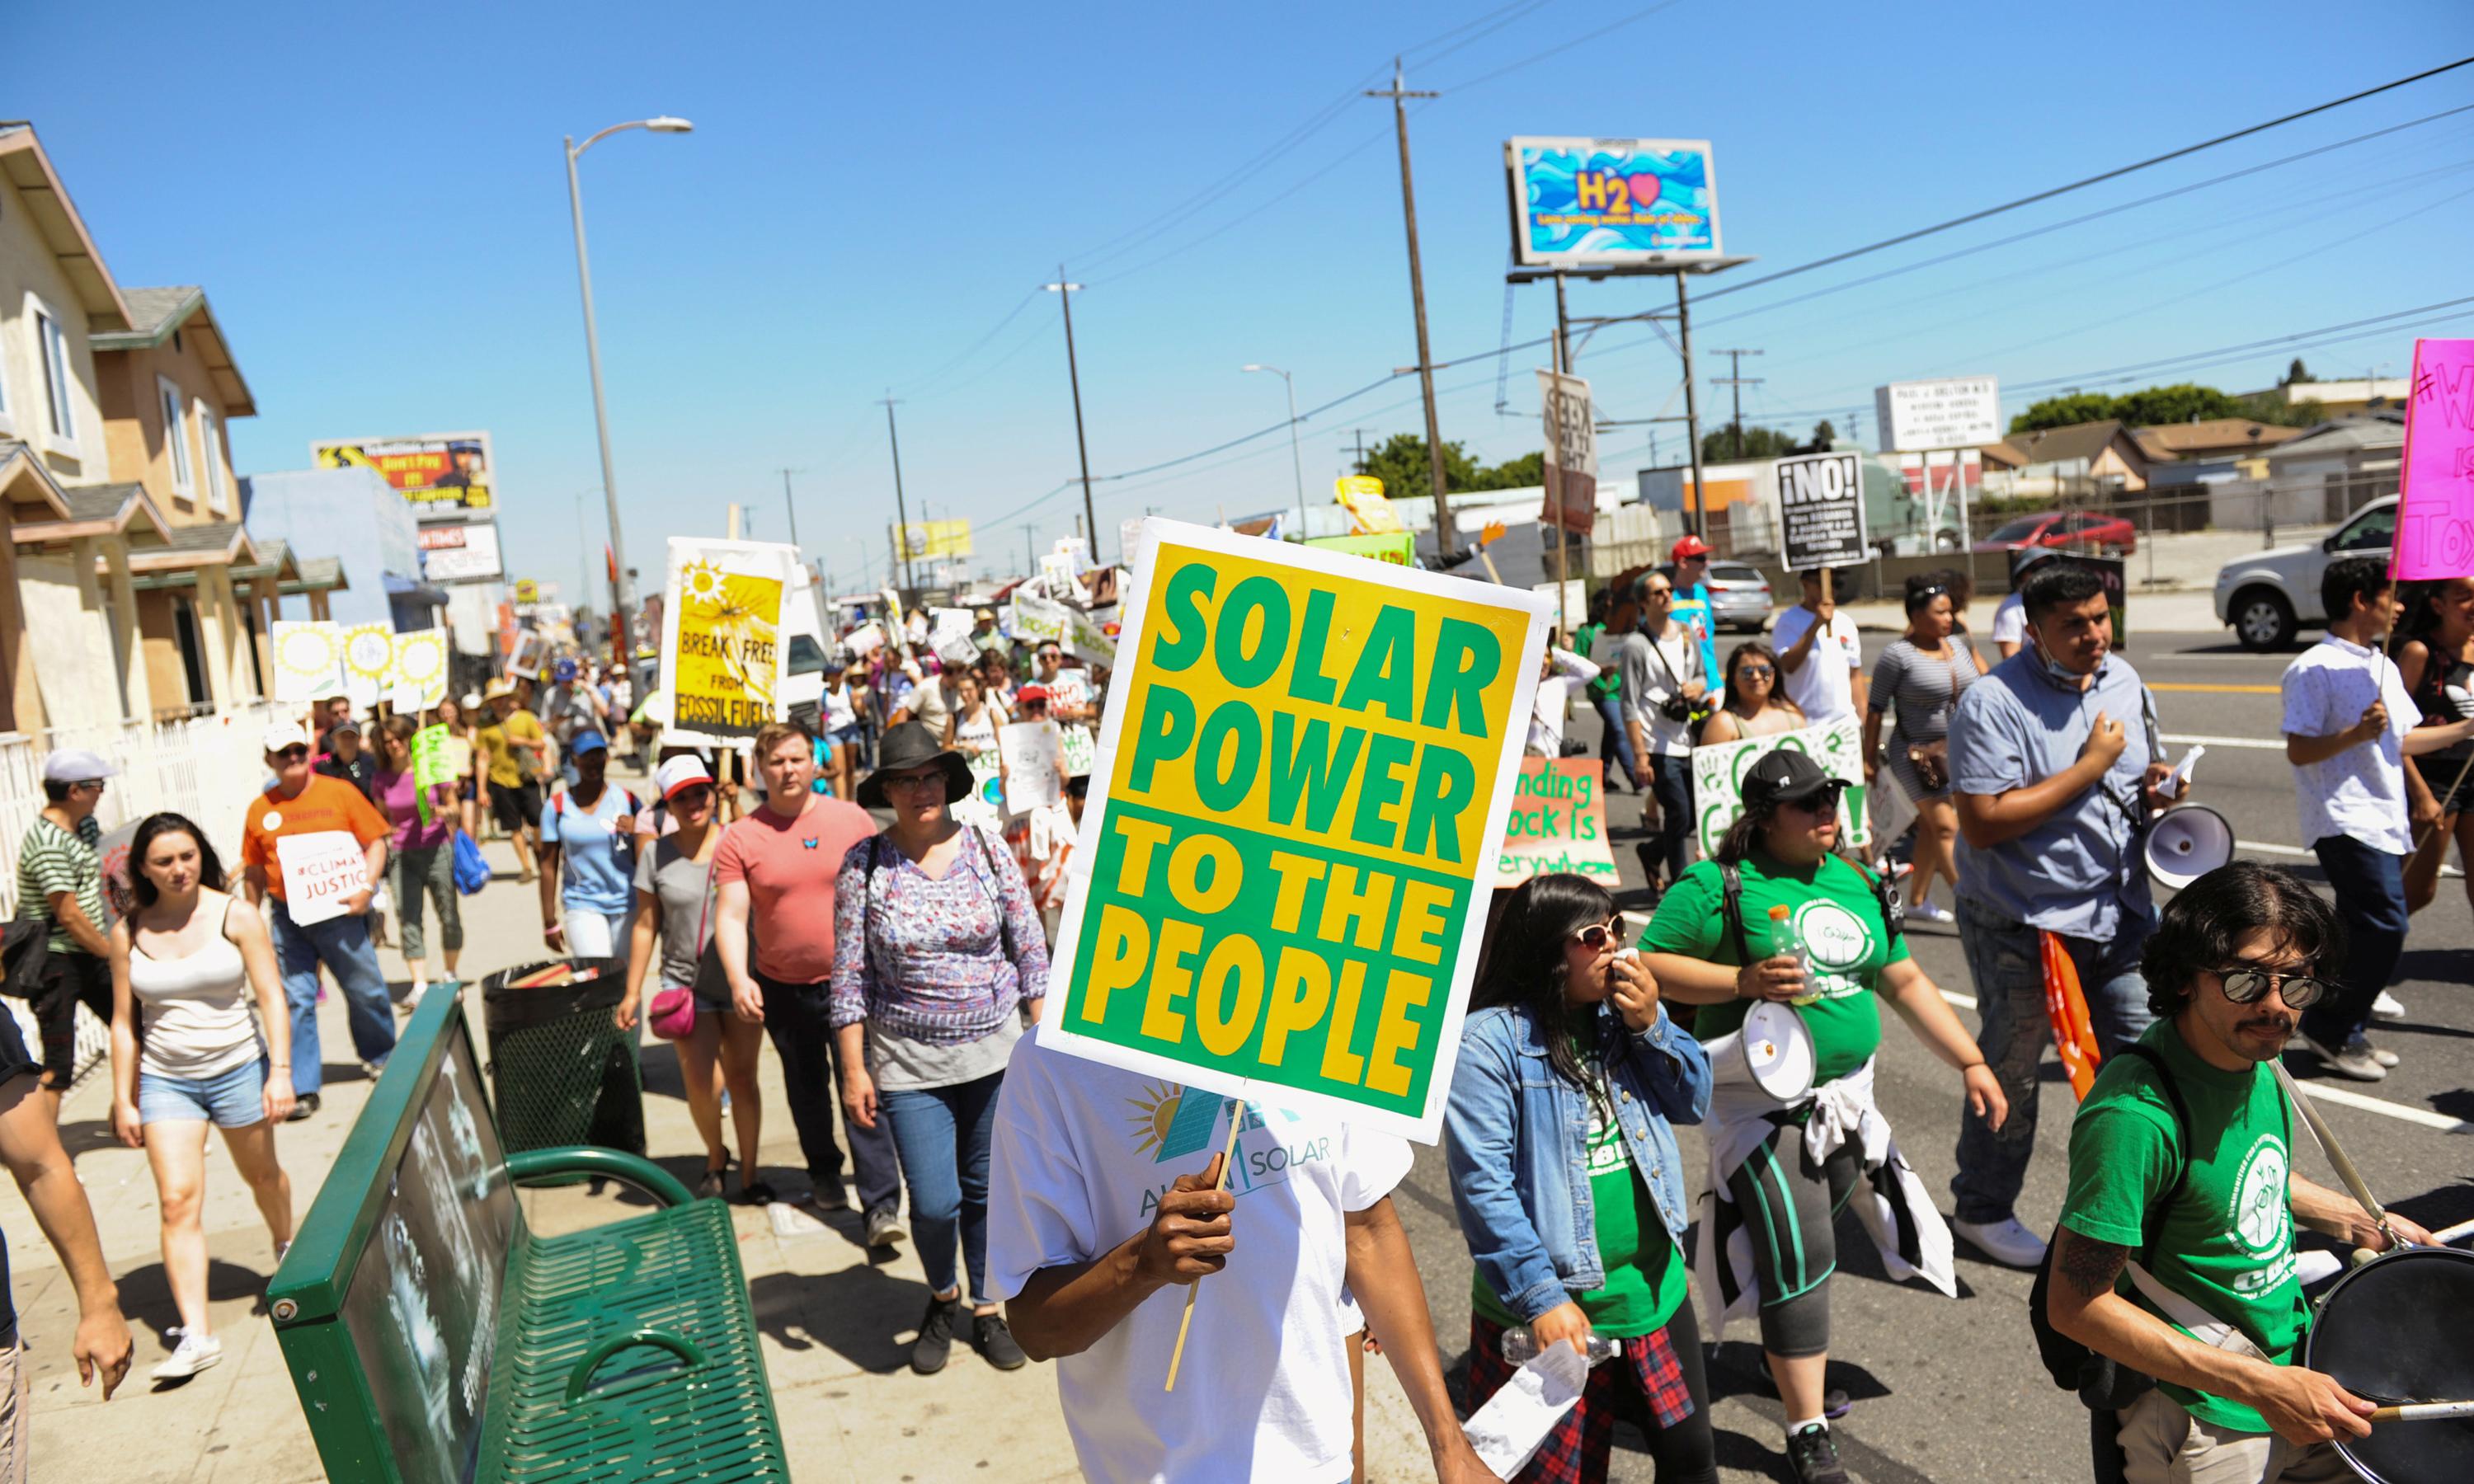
column 197, row 1008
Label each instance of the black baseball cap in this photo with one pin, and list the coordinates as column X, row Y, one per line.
column 1786, row 777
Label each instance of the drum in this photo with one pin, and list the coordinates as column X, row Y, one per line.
column 1778, row 1052
column 2397, row 1329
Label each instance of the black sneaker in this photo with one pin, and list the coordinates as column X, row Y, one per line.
column 1814, row 1456
column 302, row 1107
column 935, row 1339
column 995, row 1343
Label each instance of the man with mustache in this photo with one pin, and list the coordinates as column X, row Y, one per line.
column 2175, row 1253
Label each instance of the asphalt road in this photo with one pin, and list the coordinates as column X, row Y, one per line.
column 1950, row 1390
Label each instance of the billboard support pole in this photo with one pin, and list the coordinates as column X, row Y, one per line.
column 1691, row 403
column 1563, row 536
column 901, row 511
column 1418, row 301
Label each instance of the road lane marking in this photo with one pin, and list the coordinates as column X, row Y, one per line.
column 2207, row 685
column 2261, row 743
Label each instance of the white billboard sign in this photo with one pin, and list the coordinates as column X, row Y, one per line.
column 460, row 553
column 1963, row 411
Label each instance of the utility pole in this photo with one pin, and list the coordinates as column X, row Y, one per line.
column 789, row 507
column 1737, row 381
column 1360, row 435
column 1064, row 293
column 1030, row 548
column 901, row 511
column 1692, row 407
column 1399, row 97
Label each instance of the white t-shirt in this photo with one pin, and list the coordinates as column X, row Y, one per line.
column 1554, row 702
column 2010, row 620
column 2361, row 791
column 1823, row 687
column 1081, row 1156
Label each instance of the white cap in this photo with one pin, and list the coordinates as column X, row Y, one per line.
column 679, row 773
column 283, row 735
column 75, row 765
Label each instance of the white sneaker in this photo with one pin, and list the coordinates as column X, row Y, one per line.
column 2004, row 1241
column 1931, row 912
column 2352, row 1060
column 2363, row 1044
column 2388, row 1007
column 196, row 1353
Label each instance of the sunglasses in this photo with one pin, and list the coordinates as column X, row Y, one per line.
column 293, row 754
column 911, row 781
column 1596, row 935
column 1824, row 805
column 1658, row 594
column 2245, row 984
column 1756, row 672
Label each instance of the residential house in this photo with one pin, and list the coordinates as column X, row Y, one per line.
column 2344, row 399
column 2084, row 464
column 125, row 551
column 2210, row 438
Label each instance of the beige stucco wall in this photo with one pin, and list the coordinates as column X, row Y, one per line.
column 71, row 641
column 133, row 419
column 27, row 266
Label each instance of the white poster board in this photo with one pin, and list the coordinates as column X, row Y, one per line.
column 1718, row 773
column 417, row 674
column 1960, row 411
column 321, row 873
column 308, row 660
column 530, row 649
column 1573, row 606
column 1030, row 750
column 1038, row 621
column 1821, row 510
column 369, row 653
column 723, row 648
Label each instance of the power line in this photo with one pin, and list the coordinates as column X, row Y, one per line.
column 2115, row 173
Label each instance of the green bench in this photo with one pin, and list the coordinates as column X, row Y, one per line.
column 434, row 1339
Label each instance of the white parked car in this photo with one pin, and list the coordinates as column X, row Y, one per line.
column 2270, row 596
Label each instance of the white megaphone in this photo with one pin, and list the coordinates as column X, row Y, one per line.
column 2186, row 843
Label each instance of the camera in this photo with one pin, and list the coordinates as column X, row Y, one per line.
column 1675, row 709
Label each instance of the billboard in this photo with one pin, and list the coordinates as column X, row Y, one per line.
column 1597, row 202
column 445, row 476
column 466, row 552
column 1963, row 411
column 925, row 540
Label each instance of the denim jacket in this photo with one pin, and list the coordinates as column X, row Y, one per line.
column 1515, row 1139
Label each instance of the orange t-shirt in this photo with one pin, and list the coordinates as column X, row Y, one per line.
column 325, row 805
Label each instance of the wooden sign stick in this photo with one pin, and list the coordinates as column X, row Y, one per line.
column 1236, row 1121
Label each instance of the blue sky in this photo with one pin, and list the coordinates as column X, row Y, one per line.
column 375, row 202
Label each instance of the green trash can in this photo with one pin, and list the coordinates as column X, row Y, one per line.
column 561, row 1071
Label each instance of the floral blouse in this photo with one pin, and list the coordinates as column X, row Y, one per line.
column 943, row 962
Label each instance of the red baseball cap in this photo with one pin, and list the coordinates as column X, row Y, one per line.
column 1690, row 546
column 1031, row 693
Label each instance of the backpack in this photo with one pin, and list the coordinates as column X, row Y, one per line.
column 2103, row 1382
column 1731, row 878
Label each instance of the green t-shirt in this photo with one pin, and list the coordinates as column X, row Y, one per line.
column 1834, row 908
column 1584, row 636
column 52, row 860
column 2227, row 1243
column 1645, row 1280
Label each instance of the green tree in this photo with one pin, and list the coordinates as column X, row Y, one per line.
column 1530, row 469
column 1720, row 445
column 1401, row 464
column 2296, row 373
column 1822, row 436
column 2061, row 412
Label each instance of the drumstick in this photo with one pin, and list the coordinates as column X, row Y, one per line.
column 2355, row 1184
column 2425, row 1412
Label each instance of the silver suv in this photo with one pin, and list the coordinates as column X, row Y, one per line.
column 2269, row 597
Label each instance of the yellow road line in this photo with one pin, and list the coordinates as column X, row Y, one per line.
column 2246, row 690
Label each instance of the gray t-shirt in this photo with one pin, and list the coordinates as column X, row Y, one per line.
column 1923, row 689
column 684, row 887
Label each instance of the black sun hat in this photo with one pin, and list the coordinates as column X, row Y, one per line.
column 909, row 745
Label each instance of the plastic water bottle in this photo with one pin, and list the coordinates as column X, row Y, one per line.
column 1785, row 941
column 1518, row 1348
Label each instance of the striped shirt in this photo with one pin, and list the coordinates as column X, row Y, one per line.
column 54, row 860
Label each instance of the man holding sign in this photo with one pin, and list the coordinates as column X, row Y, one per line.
column 1271, row 929
column 310, row 851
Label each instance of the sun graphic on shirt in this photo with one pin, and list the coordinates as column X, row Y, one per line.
column 1152, row 1113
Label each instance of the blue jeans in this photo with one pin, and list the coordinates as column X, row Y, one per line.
column 2370, row 901
column 1670, row 782
column 342, row 944
column 942, row 1136
column 1617, row 742
column 2005, row 959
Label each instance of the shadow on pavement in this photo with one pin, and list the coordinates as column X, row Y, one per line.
column 857, row 1313
column 146, row 1294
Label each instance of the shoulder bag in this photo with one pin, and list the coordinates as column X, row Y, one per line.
column 674, row 1013
column 1931, row 760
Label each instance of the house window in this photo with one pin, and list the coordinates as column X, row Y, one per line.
column 54, row 346
column 210, row 453
column 176, row 437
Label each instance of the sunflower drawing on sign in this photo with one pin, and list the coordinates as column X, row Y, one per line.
column 726, row 612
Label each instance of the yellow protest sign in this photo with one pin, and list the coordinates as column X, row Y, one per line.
column 721, row 649
column 1304, row 772
column 1369, row 513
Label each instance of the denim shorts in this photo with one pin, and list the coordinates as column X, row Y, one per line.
column 233, row 1100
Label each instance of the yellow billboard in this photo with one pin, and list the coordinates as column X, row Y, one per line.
column 926, row 541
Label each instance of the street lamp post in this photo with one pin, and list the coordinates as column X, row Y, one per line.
column 1297, row 461
column 621, row 641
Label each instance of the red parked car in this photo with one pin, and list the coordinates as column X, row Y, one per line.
column 2076, row 530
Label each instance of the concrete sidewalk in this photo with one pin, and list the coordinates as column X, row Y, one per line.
column 836, row 1324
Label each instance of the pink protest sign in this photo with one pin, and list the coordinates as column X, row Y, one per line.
column 2435, row 533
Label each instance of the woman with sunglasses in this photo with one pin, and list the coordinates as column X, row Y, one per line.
column 1567, row 1182
column 1782, row 1170
column 1754, row 705
column 941, row 957
column 1922, row 674
column 675, row 900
